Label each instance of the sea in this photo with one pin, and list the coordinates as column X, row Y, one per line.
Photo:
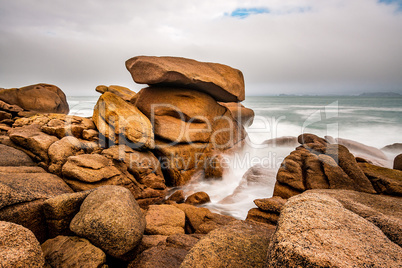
column 372, row 121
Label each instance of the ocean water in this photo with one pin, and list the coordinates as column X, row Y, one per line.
column 374, row 122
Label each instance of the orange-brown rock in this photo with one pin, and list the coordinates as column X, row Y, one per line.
column 334, row 228
column 385, row 180
column 258, row 215
column 123, row 92
column 198, row 198
column 118, row 120
column 220, row 81
column 243, row 115
column 42, row 98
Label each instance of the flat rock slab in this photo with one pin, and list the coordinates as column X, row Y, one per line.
column 10, row 156
column 222, row 82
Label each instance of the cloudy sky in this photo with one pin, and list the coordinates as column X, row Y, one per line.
column 282, row 46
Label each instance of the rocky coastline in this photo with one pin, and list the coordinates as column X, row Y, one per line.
column 104, row 191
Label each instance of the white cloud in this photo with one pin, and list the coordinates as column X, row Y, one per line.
column 334, row 45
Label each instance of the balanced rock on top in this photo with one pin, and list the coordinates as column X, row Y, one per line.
column 222, row 82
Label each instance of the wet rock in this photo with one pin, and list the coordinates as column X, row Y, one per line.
column 198, row 198
column 111, row 219
column 164, row 220
column 42, row 98
column 316, row 230
column 64, row 251
column 398, row 162
column 123, row 92
column 240, row 244
column 396, row 147
column 122, row 122
column 19, row 247
column 220, row 81
column 177, row 196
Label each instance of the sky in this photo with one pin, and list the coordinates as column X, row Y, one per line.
column 281, row 46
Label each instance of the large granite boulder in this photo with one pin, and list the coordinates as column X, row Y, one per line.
column 65, row 251
column 22, row 196
column 220, row 81
column 122, row 122
column 189, row 125
column 111, row 219
column 240, row 244
column 317, row 230
column 19, row 247
column 319, row 165
column 42, row 98
column 123, row 92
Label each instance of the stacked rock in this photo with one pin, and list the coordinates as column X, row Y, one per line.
column 178, row 116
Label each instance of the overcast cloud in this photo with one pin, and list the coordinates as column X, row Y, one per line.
column 282, row 46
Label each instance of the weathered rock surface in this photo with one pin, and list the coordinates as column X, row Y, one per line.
column 111, row 219
column 177, row 196
column 122, row 122
column 65, row 251
column 243, row 115
column 273, row 204
column 12, row 157
column 202, row 220
column 319, row 165
column 164, row 220
column 316, row 230
column 143, row 165
column 89, row 168
column 166, row 254
column 68, row 146
column 198, row 198
column 31, row 138
column 19, row 247
column 59, row 125
column 60, row 210
column 241, row 244
column 123, row 92
column 42, row 98
column 385, row 180
column 220, row 81
column 22, row 196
